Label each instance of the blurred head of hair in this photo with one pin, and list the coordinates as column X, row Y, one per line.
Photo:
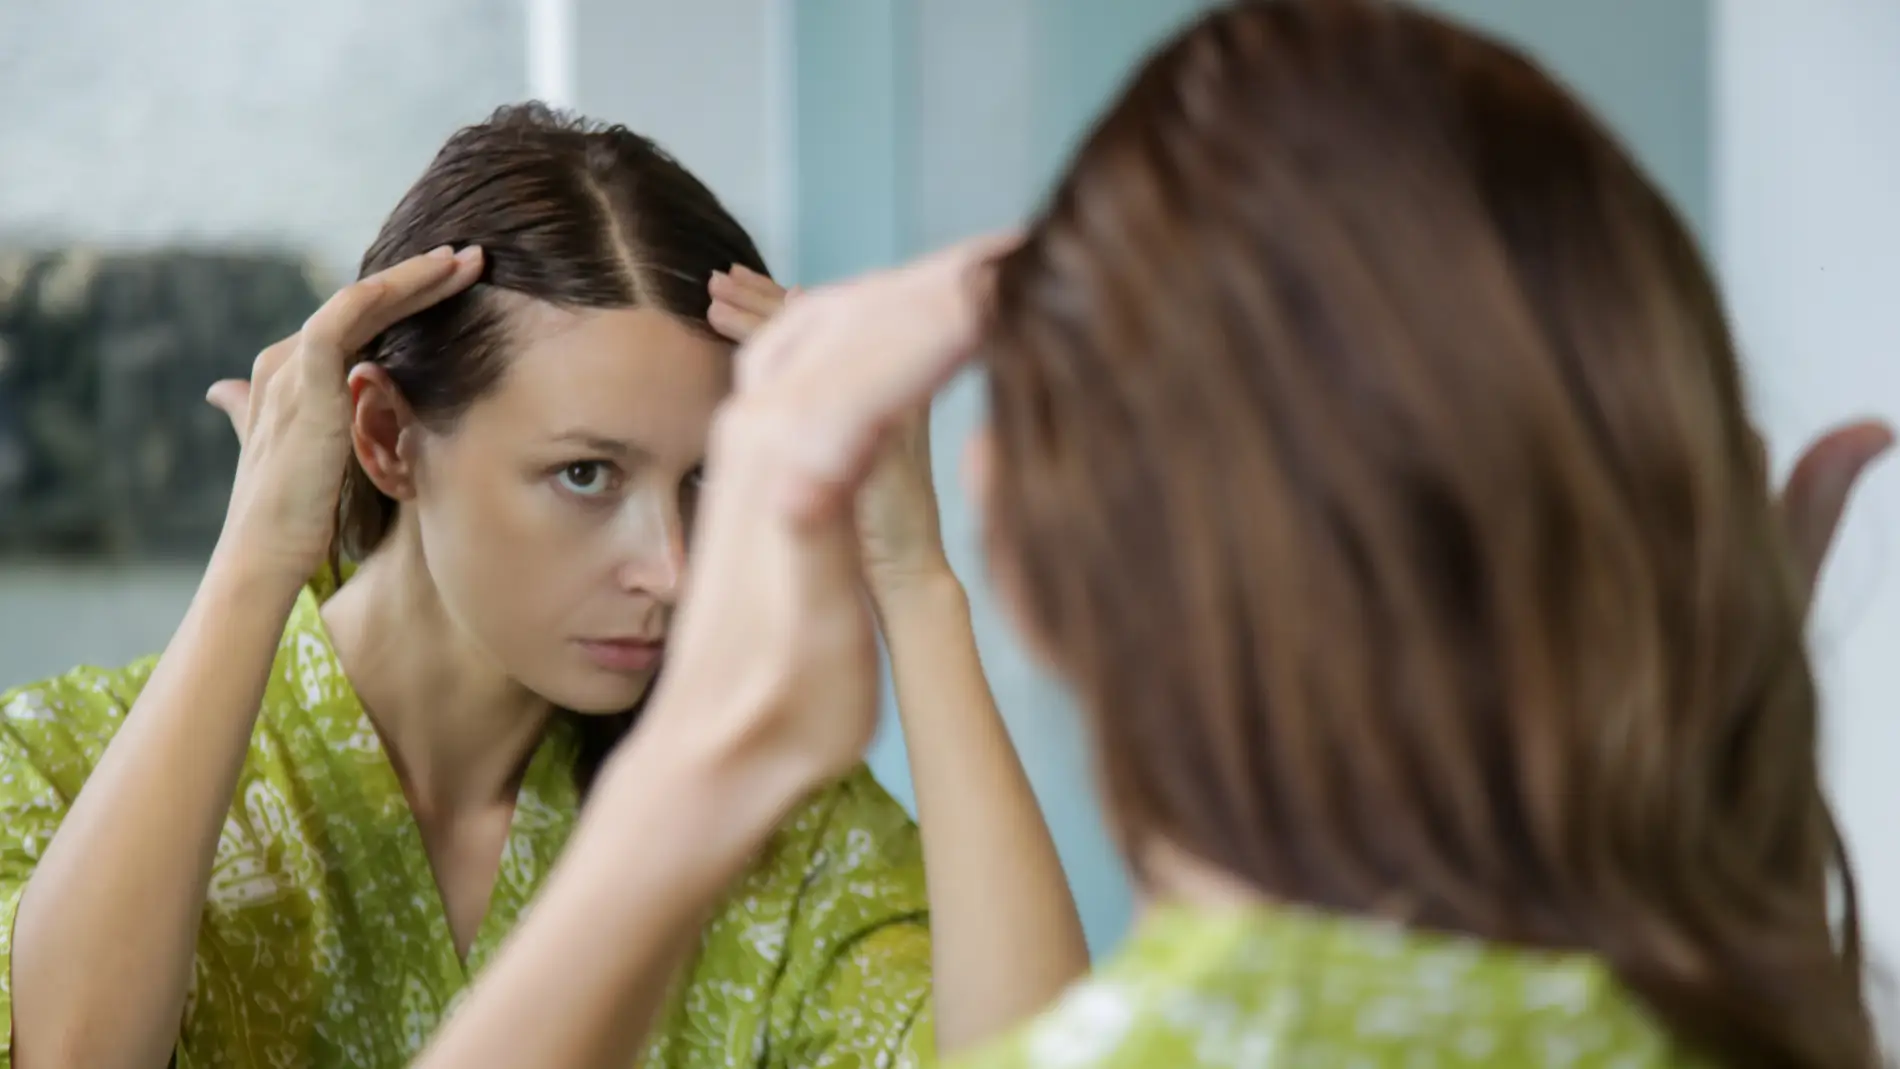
column 1371, row 456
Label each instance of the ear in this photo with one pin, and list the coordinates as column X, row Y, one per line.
column 380, row 426
column 977, row 472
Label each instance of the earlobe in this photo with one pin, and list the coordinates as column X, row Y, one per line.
column 380, row 420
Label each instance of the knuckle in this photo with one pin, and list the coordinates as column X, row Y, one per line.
column 271, row 359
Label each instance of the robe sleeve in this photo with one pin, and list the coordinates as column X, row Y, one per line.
column 856, row 991
column 51, row 735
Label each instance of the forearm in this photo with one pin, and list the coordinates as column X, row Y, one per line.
column 580, row 983
column 1004, row 931
column 104, row 936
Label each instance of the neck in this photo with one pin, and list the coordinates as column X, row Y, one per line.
column 458, row 730
column 1175, row 875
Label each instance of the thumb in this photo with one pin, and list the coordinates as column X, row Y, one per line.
column 1817, row 491
column 233, row 398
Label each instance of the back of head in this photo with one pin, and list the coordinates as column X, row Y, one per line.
column 1372, row 453
column 569, row 212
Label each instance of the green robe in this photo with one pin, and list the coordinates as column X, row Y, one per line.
column 1280, row 988
column 325, row 942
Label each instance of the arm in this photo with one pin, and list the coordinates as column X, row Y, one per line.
column 120, row 891
column 776, row 651
column 106, row 926
column 1004, row 926
column 668, row 827
column 1005, row 936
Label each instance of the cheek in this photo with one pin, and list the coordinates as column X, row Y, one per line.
column 505, row 553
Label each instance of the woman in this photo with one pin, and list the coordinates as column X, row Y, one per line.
column 1368, row 451
column 517, row 431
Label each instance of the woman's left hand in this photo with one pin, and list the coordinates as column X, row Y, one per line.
column 898, row 527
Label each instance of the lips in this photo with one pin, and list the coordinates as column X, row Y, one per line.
column 624, row 654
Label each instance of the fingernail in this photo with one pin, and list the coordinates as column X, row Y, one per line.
column 441, row 252
column 469, row 254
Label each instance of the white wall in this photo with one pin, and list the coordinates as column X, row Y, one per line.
column 1643, row 65
column 981, row 150
column 1807, row 166
column 710, row 81
column 266, row 122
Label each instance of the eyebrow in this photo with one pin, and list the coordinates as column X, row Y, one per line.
column 596, row 443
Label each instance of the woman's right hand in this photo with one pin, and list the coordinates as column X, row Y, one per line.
column 293, row 416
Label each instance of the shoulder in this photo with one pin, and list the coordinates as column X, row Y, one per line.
column 845, row 865
column 59, row 727
column 852, row 836
column 1202, row 993
column 832, row 913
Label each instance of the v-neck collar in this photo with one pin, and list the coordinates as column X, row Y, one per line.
column 383, row 864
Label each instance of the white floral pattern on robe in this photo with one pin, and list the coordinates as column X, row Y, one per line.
column 325, row 942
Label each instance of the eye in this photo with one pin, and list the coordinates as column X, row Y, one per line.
column 585, row 478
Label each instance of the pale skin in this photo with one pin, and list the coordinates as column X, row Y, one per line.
column 731, row 752
column 154, row 806
column 580, row 470
column 822, row 387
column 997, row 892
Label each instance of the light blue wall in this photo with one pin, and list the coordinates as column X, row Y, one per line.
column 922, row 121
column 1808, row 220
column 1644, row 65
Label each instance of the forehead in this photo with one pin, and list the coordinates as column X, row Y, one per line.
column 626, row 373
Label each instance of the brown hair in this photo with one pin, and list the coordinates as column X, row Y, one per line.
column 571, row 212
column 1373, row 454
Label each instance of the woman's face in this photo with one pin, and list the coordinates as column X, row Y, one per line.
column 554, row 516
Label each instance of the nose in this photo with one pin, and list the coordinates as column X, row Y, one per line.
column 652, row 557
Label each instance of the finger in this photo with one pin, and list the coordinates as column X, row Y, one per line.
column 990, row 246
column 745, row 276
column 766, row 349
column 757, row 294
column 470, row 262
column 837, row 435
column 264, row 369
column 770, row 436
column 1816, row 495
column 366, row 308
column 732, row 321
column 855, row 411
column 271, row 359
column 233, row 398
column 979, row 253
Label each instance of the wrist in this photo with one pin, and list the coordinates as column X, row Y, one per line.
column 704, row 801
column 246, row 554
column 929, row 586
column 239, row 571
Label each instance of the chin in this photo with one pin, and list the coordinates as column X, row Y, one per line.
column 598, row 694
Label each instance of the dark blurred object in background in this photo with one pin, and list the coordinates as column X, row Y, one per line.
column 107, row 447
